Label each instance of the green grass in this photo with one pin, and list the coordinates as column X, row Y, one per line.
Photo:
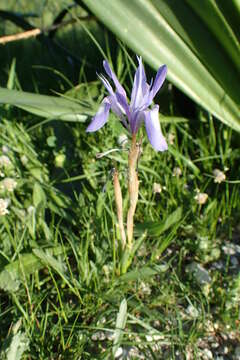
column 61, row 296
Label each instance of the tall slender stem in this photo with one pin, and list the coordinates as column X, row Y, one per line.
column 133, row 186
column 119, row 206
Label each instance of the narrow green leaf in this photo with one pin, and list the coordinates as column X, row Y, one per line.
column 45, row 106
column 120, row 325
column 186, row 160
column 11, row 75
column 128, row 254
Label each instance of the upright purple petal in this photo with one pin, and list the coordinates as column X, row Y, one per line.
column 140, row 86
column 153, row 129
column 158, row 81
column 101, row 116
column 106, row 84
column 122, row 102
column 112, row 75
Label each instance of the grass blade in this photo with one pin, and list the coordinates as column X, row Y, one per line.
column 120, row 325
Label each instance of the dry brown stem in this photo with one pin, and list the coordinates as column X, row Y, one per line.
column 20, row 36
column 36, row 31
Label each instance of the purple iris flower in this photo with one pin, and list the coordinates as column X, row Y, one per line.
column 138, row 111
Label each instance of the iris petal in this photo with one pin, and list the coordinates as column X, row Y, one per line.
column 158, row 81
column 112, row 75
column 140, row 86
column 101, row 116
column 106, row 84
column 153, row 129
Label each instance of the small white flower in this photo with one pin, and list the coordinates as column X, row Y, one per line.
column 177, row 172
column 5, row 149
column 99, row 335
column 3, row 206
column 4, row 161
column 24, row 159
column 119, row 352
column 171, row 138
column 192, row 311
column 201, row 198
column 219, row 176
column 149, row 338
column 157, row 188
column 31, row 209
column 122, row 140
column 145, row 288
column 9, row 184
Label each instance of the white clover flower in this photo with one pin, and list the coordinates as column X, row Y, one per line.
column 122, row 140
column 171, row 138
column 201, row 198
column 4, row 161
column 219, row 176
column 177, row 172
column 157, row 188
column 31, row 209
column 3, row 206
column 9, row 184
column 24, row 159
column 145, row 288
column 5, row 149
column 192, row 311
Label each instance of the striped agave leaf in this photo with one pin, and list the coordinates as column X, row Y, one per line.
column 198, row 43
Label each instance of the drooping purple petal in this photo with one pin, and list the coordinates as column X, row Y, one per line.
column 153, row 129
column 112, row 75
column 140, row 86
column 158, row 81
column 101, row 116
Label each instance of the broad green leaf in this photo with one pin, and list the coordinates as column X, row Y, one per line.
column 39, row 197
column 47, row 259
column 170, row 32
column 51, row 107
column 120, row 325
column 157, row 228
column 56, row 264
column 219, row 26
column 27, row 264
column 144, row 272
column 19, row 343
column 11, row 275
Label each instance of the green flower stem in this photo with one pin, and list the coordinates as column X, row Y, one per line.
column 119, row 206
column 133, row 186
